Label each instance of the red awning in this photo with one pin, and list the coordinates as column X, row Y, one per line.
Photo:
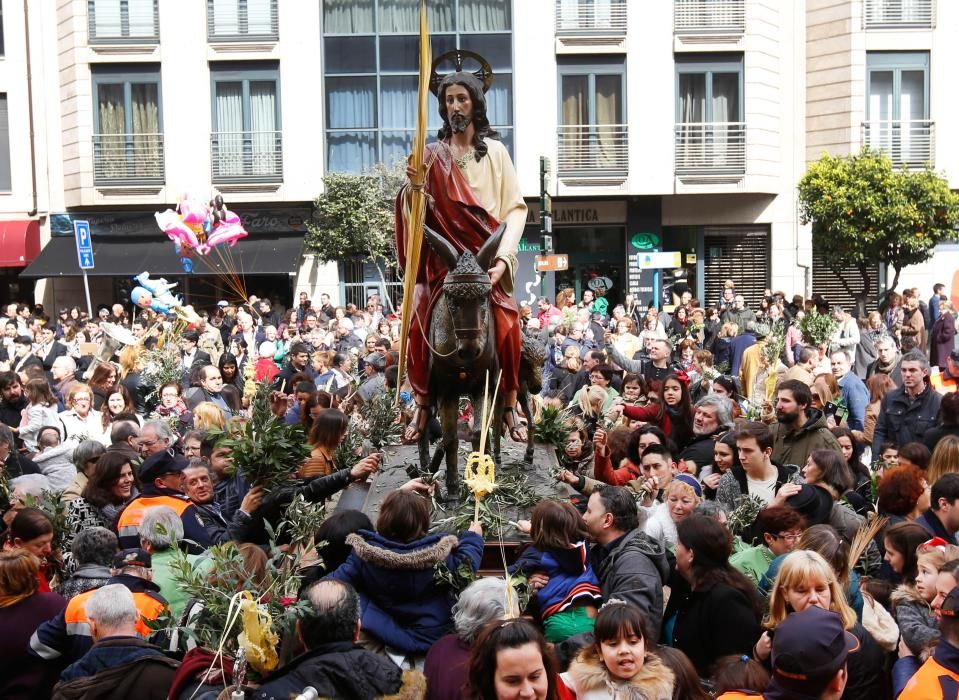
column 19, row 242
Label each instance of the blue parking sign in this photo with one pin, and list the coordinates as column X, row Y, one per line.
column 81, row 231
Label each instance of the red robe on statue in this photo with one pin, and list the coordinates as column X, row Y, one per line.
column 454, row 212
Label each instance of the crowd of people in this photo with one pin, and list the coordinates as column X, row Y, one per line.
column 751, row 509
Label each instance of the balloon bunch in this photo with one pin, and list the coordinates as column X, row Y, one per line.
column 195, row 227
column 157, row 295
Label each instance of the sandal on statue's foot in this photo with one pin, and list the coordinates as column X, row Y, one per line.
column 421, row 415
column 517, row 431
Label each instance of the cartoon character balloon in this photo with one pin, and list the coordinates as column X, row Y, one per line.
column 196, row 228
column 155, row 294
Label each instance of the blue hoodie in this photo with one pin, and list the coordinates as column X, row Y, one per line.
column 571, row 578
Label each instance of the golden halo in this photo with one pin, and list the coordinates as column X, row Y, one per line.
column 484, row 74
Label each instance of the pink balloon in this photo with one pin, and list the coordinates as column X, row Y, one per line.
column 224, row 233
column 173, row 226
column 193, row 211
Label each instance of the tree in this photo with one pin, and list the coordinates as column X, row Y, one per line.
column 863, row 212
column 353, row 218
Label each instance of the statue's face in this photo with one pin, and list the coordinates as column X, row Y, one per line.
column 459, row 107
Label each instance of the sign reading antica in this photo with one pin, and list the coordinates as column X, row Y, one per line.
column 581, row 213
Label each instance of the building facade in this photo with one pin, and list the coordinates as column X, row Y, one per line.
column 677, row 126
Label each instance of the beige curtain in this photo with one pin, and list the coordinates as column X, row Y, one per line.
column 575, row 144
column 112, row 128
column 147, row 151
column 608, row 110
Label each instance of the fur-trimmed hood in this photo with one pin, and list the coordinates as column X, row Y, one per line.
column 907, row 594
column 423, row 553
column 653, row 682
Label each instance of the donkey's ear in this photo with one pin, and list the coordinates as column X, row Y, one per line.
column 441, row 247
column 487, row 253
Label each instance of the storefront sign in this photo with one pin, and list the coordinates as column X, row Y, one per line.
column 658, row 261
column 124, row 223
column 645, row 241
column 552, row 263
column 581, row 213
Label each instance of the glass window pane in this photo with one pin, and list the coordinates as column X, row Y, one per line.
column 440, row 15
column 499, row 100
column 106, row 18
column 110, row 106
column 263, row 106
column 229, row 106
column 495, row 48
column 912, row 95
column 400, row 54
column 5, row 183
column 145, row 108
column 575, row 103
column 226, row 18
column 398, row 102
column 349, row 54
column 880, row 95
column 396, row 145
column 725, row 99
column 351, row 103
column 399, row 16
column 484, row 15
column 609, row 99
column 141, row 18
column 350, row 152
column 259, row 17
column 348, row 16
column 692, row 98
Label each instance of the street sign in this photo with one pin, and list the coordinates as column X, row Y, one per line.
column 81, row 230
column 658, row 260
column 552, row 263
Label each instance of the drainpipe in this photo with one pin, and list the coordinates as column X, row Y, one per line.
column 33, row 153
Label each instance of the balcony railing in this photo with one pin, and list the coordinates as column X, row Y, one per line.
column 242, row 20
column 135, row 159
column 123, row 21
column 586, row 17
column 247, row 156
column 593, row 149
column 899, row 14
column 909, row 144
column 710, row 148
column 709, row 17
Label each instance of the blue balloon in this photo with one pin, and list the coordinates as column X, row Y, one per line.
column 187, row 264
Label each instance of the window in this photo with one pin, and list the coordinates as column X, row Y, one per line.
column 231, row 20
column 710, row 128
column 3, row 51
column 6, row 184
column 246, row 141
column 125, row 21
column 592, row 132
column 591, row 17
column 128, row 126
column 897, row 106
column 371, row 62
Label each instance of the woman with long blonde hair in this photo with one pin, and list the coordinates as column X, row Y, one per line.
column 805, row 579
column 131, row 367
column 208, row 415
column 945, row 458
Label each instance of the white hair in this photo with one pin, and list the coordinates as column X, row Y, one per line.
column 112, row 607
column 267, row 349
column 29, row 485
column 481, row 602
column 67, row 362
column 161, row 527
column 345, row 323
column 161, row 429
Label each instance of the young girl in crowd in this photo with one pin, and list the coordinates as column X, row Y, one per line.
column 620, row 663
column 682, row 494
column 577, row 456
column 725, row 457
column 912, row 603
column 41, row 411
column 901, row 542
column 673, row 412
column 635, row 393
column 568, row 602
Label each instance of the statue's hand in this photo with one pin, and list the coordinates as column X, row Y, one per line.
column 497, row 271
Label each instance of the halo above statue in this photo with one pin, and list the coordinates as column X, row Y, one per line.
column 459, row 56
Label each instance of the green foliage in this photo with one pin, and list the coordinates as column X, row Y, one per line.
column 775, row 343
column 744, row 516
column 863, row 212
column 551, row 426
column 817, row 329
column 50, row 504
column 162, row 365
column 354, row 215
column 381, row 415
column 350, row 449
column 267, row 452
column 300, row 522
column 457, row 580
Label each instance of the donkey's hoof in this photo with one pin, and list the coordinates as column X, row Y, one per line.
column 444, row 494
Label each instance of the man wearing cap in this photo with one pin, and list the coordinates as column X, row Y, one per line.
column 375, row 382
column 938, row 677
column 161, row 475
column 946, row 382
column 68, row 635
column 809, row 656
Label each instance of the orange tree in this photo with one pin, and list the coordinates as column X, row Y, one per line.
column 863, row 211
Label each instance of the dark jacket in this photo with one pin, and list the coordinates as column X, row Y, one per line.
column 571, row 579
column 903, row 418
column 895, row 375
column 24, row 676
column 714, row 622
column 402, row 604
column 634, row 569
column 85, row 578
column 282, row 381
column 336, row 670
column 941, row 339
column 933, row 525
column 936, row 433
column 734, row 484
column 795, row 446
column 10, row 413
column 700, row 450
column 120, row 668
column 446, row 668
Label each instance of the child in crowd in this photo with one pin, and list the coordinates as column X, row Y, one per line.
column 41, row 411
column 912, row 601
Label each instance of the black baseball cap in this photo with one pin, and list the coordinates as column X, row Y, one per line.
column 132, row 557
column 808, row 649
column 161, row 463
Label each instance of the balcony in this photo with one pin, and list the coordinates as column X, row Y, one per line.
column 128, row 159
column 710, row 148
column 908, row 143
column 123, row 22
column 709, row 17
column 598, row 150
column 899, row 14
column 588, row 17
column 242, row 20
column 247, row 156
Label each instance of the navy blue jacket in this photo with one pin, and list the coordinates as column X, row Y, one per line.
column 402, row 604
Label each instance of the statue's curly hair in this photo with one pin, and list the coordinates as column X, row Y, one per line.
column 483, row 130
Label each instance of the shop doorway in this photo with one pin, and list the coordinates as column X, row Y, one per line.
column 594, row 251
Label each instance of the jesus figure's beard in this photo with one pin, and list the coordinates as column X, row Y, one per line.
column 459, row 122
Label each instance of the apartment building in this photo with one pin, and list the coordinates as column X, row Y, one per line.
column 677, row 126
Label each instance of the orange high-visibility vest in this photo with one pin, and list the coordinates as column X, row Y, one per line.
column 78, row 624
column 132, row 515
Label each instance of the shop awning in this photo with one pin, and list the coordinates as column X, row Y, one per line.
column 19, row 242
column 114, row 257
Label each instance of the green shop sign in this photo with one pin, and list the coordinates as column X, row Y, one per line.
column 645, row 241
